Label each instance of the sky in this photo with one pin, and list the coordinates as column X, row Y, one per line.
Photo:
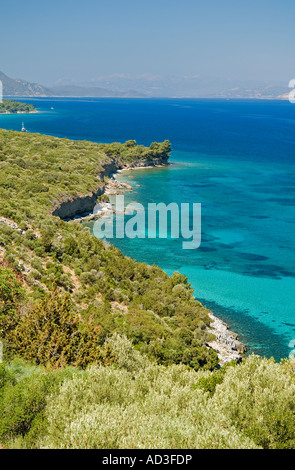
column 45, row 41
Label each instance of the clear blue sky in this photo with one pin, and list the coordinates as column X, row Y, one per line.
column 43, row 41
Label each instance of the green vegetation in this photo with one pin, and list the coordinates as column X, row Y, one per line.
column 138, row 404
column 109, row 292
column 130, row 152
column 98, row 346
column 12, row 107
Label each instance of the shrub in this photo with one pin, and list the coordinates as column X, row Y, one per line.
column 126, row 357
column 51, row 333
column 12, row 295
column 23, row 402
column 157, row 408
column 259, row 399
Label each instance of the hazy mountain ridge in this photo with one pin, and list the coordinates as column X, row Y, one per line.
column 19, row 87
column 78, row 91
column 148, row 86
column 189, row 86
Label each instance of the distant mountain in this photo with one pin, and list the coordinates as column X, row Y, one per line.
column 192, row 86
column 19, row 87
column 187, row 86
column 148, row 86
column 80, row 91
column 265, row 92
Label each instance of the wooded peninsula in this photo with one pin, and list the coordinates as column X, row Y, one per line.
column 16, row 107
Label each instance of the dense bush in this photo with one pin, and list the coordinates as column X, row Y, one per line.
column 23, row 399
column 52, row 333
column 11, row 298
column 259, row 399
column 139, row 404
column 108, row 408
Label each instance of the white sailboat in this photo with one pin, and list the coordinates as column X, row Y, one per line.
column 23, row 128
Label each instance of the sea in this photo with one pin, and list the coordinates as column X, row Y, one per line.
column 235, row 158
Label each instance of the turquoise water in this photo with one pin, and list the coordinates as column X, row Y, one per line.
column 244, row 268
column 237, row 160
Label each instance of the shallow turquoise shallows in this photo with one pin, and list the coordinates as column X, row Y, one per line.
column 236, row 158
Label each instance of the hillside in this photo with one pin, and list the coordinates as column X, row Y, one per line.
column 39, row 174
column 19, row 87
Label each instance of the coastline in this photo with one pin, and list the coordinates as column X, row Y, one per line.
column 86, row 208
column 227, row 344
column 70, row 207
column 19, row 112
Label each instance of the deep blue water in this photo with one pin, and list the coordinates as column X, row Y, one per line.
column 236, row 158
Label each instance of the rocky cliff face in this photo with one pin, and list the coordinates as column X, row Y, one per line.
column 109, row 168
column 144, row 164
column 85, row 203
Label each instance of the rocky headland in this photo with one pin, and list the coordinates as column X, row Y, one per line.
column 85, row 203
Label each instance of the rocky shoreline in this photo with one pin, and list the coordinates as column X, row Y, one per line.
column 227, row 344
column 20, row 112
